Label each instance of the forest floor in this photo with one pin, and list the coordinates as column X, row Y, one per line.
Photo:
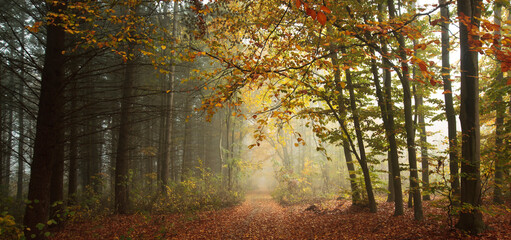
column 259, row 217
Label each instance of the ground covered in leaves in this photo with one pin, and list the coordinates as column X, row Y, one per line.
column 259, row 217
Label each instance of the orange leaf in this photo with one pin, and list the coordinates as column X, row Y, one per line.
column 325, row 9
column 446, row 92
column 298, row 4
column 509, row 81
column 435, row 22
column 432, row 81
column 311, row 13
column 321, row 18
column 423, row 66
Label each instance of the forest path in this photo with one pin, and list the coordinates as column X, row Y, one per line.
column 260, row 217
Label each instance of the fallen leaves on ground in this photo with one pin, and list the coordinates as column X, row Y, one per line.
column 259, row 217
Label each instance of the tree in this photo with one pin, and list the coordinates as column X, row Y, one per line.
column 409, row 126
column 48, row 127
column 499, row 118
column 363, row 158
column 449, row 106
column 469, row 12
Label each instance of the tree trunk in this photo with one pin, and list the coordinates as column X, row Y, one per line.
column 169, row 116
column 6, row 174
column 385, row 103
column 73, row 147
column 187, row 166
column 449, row 106
column 499, row 119
column 57, row 180
column 355, row 191
column 470, row 218
column 48, row 128
column 409, row 126
column 424, row 147
column 124, row 139
column 361, row 148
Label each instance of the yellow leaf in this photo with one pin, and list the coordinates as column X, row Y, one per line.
column 163, row 47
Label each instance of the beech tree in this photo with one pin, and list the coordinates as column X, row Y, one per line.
column 471, row 220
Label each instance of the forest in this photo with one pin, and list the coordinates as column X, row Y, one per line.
column 246, row 119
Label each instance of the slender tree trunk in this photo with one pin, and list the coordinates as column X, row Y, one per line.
column 424, row 148
column 48, row 128
column 124, row 139
column 169, row 107
column 390, row 129
column 361, row 148
column 355, row 191
column 499, row 120
column 187, row 165
column 73, row 147
column 21, row 128
column 470, row 217
column 2, row 147
column 385, row 103
column 449, row 106
column 6, row 175
column 409, row 126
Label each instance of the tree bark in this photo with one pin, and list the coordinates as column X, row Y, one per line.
column 409, row 126
column 361, row 148
column 449, row 106
column 124, row 139
column 355, row 191
column 73, row 147
column 470, row 217
column 499, row 119
column 386, row 107
column 48, row 128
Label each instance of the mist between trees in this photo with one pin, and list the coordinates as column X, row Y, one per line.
column 180, row 106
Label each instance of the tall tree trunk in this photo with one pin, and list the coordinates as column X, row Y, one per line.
column 424, row 147
column 48, row 128
column 470, row 218
column 390, row 128
column 73, row 147
column 21, row 127
column 6, row 174
column 124, row 139
column 361, row 148
column 2, row 147
column 355, row 191
column 187, row 166
column 409, row 126
column 449, row 106
column 499, row 121
column 169, row 116
column 385, row 103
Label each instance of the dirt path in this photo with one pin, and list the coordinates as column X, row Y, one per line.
column 259, row 217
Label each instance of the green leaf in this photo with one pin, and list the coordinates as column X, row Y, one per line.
column 40, row 226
